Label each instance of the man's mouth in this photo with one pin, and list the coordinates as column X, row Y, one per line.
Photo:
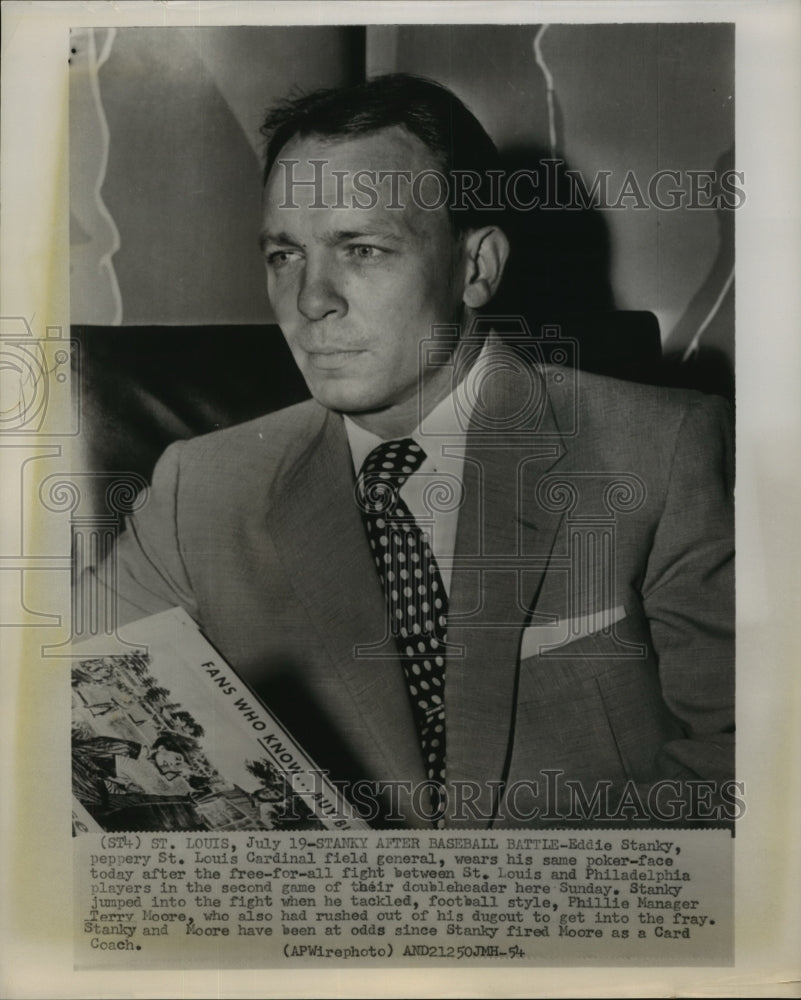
column 331, row 360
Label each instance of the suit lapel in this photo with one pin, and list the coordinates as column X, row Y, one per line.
column 319, row 535
column 491, row 592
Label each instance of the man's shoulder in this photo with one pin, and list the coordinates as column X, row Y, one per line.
column 254, row 455
column 615, row 423
column 268, row 436
column 612, row 400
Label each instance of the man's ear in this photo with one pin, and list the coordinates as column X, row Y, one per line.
column 486, row 252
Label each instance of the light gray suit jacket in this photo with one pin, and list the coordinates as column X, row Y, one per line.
column 597, row 497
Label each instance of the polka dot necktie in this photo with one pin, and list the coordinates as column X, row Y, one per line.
column 416, row 599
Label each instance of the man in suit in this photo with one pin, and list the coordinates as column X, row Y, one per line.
column 478, row 590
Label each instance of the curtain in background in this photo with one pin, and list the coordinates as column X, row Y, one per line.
column 164, row 157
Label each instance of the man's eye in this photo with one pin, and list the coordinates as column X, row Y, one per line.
column 279, row 258
column 364, row 251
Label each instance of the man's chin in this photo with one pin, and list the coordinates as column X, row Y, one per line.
column 338, row 389
column 349, row 403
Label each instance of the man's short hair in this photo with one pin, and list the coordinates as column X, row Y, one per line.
column 454, row 136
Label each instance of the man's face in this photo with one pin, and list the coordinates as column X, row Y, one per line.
column 355, row 289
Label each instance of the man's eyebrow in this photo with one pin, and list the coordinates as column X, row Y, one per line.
column 281, row 239
column 336, row 236
column 332, row 238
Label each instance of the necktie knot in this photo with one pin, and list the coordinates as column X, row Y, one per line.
column 384, row 472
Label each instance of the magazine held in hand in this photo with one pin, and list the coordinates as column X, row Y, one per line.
column 165, row 736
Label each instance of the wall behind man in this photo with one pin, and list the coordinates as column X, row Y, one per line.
column 165, row 158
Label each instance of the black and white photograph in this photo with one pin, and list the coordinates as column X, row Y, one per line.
column 391, row 423
column 490, row 562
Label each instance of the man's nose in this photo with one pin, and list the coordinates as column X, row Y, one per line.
column 319, row 295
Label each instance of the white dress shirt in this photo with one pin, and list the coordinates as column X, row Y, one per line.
column 443, row 437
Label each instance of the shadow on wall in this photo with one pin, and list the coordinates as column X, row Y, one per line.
column 560, row 272
column 560, row 261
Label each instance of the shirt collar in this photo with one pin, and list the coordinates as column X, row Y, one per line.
column 446, row 425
